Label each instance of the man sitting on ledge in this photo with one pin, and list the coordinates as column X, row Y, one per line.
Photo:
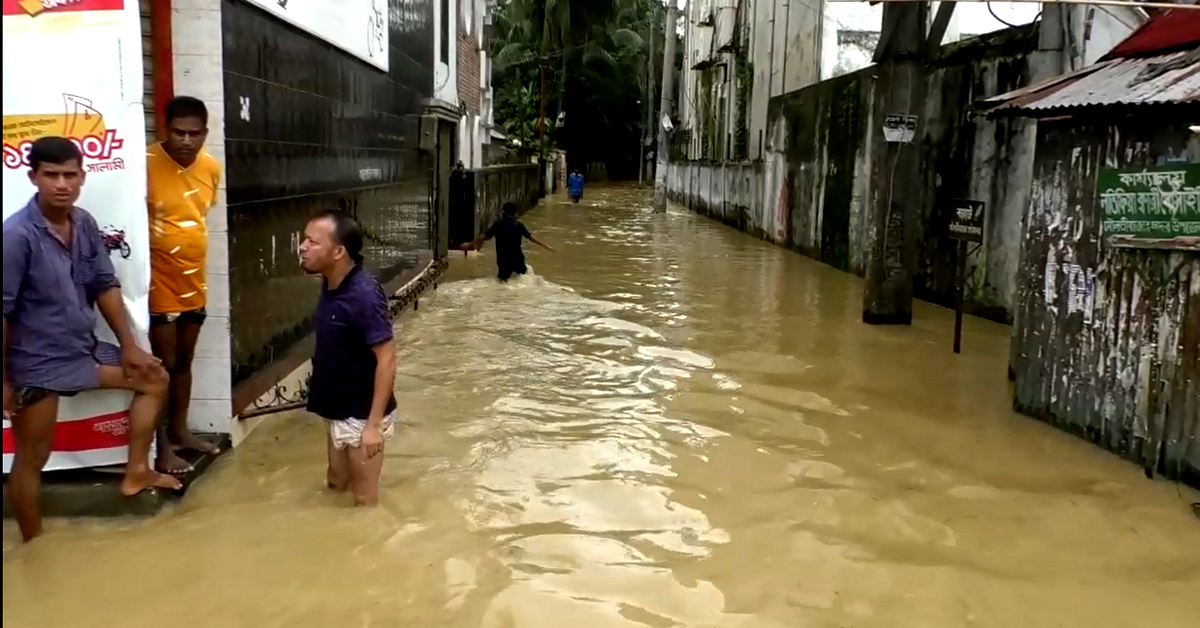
column 56, row 274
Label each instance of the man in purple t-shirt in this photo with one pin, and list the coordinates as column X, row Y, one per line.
column 56, row 275
column 354, row 364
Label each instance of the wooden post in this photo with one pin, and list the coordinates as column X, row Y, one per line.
column 966, row 226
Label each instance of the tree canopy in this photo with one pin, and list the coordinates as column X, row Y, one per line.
column 596, row 59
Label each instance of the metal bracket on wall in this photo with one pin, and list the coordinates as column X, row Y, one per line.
column 280, row 398
column 284, row 397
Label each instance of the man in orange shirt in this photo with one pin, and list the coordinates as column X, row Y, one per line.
column 182, row 181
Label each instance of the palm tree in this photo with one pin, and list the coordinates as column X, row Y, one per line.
column 592, row 31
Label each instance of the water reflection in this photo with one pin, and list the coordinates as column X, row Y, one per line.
column 669, row 425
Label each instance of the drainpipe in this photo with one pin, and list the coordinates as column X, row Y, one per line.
column 787, row 29
column 1068, row 41
column 771, row 54
column 162, row 54
column 820, row 44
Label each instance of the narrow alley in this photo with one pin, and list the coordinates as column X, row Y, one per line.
column 668, row 423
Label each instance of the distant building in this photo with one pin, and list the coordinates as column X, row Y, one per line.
column 462, row 74
column 738, row 54
column 474, row 80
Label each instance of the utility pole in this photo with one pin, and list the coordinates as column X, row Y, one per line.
column 648, row 99
column 668, row 106
column 899, row 90
column 542, row 110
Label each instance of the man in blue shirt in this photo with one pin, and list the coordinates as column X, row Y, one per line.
column 575, row 186
column 56, row 275
column 509, row 232
column 354, row 364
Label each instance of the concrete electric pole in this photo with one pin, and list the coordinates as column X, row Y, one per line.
column 648, row 130
column 900, row 96
column 668, row 106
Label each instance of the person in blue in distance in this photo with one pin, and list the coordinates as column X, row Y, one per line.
column 575, row 186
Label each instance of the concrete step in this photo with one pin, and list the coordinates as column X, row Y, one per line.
column 96, row 492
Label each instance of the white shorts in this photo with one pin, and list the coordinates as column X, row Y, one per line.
column 348, row 432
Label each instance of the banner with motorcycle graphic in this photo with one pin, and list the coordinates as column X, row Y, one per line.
column 73, row 68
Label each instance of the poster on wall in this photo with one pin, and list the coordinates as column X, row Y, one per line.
column 73, row 68
column 360, row 27
column 1156, row 207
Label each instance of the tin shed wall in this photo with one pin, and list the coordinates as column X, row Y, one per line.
column 1107, row 340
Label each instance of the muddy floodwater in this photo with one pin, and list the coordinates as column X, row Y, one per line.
column 668, row 424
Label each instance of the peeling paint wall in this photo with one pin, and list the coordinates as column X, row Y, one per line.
column 1107, row 340
column 782, row 41
column 976, row 158
column 821, row 147
column 728, row 192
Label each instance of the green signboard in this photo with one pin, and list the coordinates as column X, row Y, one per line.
column 1155, row 207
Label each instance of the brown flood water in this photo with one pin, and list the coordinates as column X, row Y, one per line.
column 670, row 425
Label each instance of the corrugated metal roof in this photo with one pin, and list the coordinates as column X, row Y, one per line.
column 1128, row 81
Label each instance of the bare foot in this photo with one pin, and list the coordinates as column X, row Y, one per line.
column 169, row 462
column 135, row 483
column 190, row 441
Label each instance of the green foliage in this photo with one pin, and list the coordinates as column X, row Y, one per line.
column 593, row 57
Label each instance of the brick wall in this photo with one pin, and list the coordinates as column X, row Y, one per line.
column 468, row 71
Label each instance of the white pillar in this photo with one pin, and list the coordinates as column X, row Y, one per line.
column 197, row 59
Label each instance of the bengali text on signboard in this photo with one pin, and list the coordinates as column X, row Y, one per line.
column 966, row 221
column 85, row 86
column 1154, row 207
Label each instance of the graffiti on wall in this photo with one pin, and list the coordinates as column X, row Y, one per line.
column 781, row 207
column 1080, row 284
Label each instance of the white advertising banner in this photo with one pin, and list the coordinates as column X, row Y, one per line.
column 73, row 68
column 360, row 27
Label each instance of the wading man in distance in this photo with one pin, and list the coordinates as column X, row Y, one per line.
column 56, row 274
column 354, row 364
column 182, row 181
column 508, row 231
